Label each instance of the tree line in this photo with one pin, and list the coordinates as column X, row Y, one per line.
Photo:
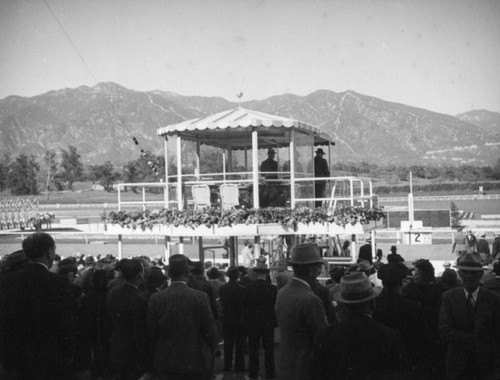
column 59, row 170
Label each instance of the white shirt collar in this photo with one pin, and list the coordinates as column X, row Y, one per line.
column 39, row 263
column 474, row 294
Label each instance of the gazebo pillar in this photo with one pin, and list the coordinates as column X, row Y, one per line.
column 180, row 204
column 255, row 167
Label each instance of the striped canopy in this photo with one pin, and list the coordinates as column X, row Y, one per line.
column 233, row 129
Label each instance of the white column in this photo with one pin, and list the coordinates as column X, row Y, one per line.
column 292, row 169
column 166, row 190
column 255, row 168
column 180, row 204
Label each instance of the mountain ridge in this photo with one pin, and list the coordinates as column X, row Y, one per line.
column 100, row 122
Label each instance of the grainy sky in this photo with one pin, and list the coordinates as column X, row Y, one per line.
column 442, row 55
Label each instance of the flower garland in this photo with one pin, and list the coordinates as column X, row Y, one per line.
column 341, row 215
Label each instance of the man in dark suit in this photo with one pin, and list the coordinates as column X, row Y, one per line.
column 469, row 322
column 301, row 314
column 401, row 313
column 259, row 321
column 493, row 283
column 365, row 251
column 128, row 310
column 358, row 347
column 231, row 300
column 181, row 328
column 483, row 248
column 320, row 171
column 37, row 317
column 198, row 281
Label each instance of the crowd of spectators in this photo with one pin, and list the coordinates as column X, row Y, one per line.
column 98, row 317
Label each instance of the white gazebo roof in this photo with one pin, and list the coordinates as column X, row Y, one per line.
column 233, row 128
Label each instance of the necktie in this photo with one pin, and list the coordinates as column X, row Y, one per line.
column 470, row 310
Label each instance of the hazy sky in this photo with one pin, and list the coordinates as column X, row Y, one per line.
column 440, row 55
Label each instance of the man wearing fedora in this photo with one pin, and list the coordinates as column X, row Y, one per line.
column 469, row 322
column 358, row 347
column 259, row 321
column 401, row 313
column 320, row 170
column 269, row 166
column 181, row 328
column 301, row 314
column 269, row 170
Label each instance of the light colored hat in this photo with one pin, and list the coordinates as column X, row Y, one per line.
column 470, row 262
column 364, row 265
column 482, row 234
column 356, row 288
column 306, row 253
column 261, row 266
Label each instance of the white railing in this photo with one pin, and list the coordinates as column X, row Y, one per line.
column 348, row 190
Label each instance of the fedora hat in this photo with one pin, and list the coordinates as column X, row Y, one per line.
column 355, row 288
column 364, row 265
column 306, row 253
column 320, row 151
column 470, row 262
column 271, row 151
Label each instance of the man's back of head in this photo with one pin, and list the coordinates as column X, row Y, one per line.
column 130, row 269
column 37, row 245
column 177, row 267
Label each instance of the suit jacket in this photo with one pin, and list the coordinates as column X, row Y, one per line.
column 365, row 253
column 495, row 248
column 483, row 246
column 326, row 297
column 259, row 299
column 203, row 285
column 127, row 310
column 301, row 317
column 476, row 349
column 406, row 316
column 37, row 323
column 182, row 329
column 231, row 295
column 358, row 348
column 493, row 284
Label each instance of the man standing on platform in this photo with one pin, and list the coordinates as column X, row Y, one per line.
column 301, row 314
column 269, row 167
column 320, row 170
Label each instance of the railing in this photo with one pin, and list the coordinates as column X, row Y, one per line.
column 299, row 191
column 441, row 198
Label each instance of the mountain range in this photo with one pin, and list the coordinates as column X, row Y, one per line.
column 101, row 122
